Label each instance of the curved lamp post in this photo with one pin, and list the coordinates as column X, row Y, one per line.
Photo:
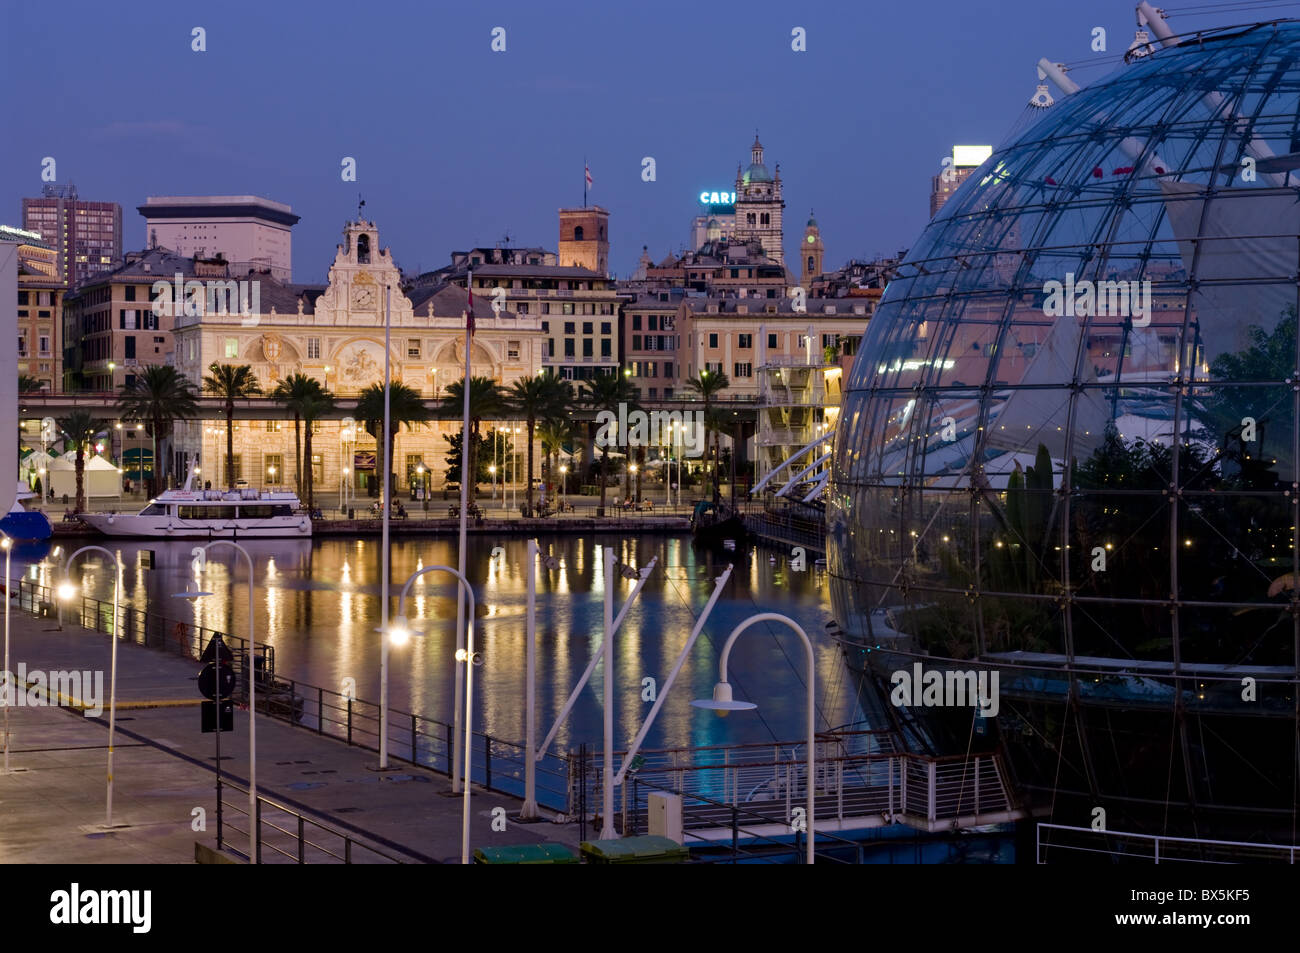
column 723, row 702
column 399, row 635
column 67, row 589
column 252, row 701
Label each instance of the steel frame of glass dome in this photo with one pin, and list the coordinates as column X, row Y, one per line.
column 1087, row 502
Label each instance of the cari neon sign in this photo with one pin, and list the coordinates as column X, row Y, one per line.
column 718, row 198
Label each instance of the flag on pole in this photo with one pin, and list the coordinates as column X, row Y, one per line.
column 587, row 171
column 469, row 312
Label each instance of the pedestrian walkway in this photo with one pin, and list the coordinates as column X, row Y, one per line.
column 52, row 805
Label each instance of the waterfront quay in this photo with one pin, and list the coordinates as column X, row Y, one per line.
column 52, row 804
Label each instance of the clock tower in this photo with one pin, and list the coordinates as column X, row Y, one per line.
column 811, row 252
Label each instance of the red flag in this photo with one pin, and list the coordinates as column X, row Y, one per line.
column 587, row 171
column 469, row 313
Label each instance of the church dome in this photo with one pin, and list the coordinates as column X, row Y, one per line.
column 757, row 172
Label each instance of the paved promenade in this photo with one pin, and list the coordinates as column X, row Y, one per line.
column 52, row 805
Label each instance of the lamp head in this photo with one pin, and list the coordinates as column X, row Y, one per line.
column 66, row 591
column 722, row 702
column 190, row 594
column 398, row 634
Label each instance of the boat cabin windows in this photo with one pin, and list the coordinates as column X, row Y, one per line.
column 265, row 511
column 205, row 512
column 154, row 509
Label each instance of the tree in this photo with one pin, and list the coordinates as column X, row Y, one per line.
column 405, row 406
column 231, row 382
column 482, row 456
column 79, row 429
column 708, row 385
column 159, row 396
column 542, row 396
column 292, row 391
column 606, row 392
column 28, row 384
column 486, row 399
column 554, row 433
column 312, row 407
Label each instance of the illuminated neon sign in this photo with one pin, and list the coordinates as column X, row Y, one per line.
column 718, row 198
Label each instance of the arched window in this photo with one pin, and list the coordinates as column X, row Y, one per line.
column 767, row 219
column 810, row 263
column 577, row 234
column 749, row 218
column 363, row 249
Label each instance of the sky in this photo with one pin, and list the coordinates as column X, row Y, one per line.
column 457, row 145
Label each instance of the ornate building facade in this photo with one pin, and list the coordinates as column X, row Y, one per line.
column 336, row 335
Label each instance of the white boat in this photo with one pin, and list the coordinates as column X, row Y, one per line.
column 209, row 514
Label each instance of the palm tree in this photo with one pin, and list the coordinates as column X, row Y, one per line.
column 231, row 382
column 607, row 392
column 79, row 430
column 542, row 396
column 28, row 384
column 292, row 391
column 554, row 433
column 406, row 406
column 708, row 385
column 312, row 406
column 159, row 396
column 486, row 399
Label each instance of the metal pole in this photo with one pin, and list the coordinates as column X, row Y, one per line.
column 383, row 545
column 465, row 477
column 810, row 855
column 529, row 811
column 9, row 683
column 112, row 683
column 607, row 650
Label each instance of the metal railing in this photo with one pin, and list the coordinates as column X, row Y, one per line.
column 860, row 782
column 495, row 763
column 1153, row 848
column 301, row 841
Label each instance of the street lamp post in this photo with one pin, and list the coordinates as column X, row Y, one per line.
column 66, row 591
column 7, row 543
column 251, row 675
column 464, row 657
column 722, row 701
column 564, row 484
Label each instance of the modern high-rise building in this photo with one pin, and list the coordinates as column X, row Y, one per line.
column 957, row 169
column 249, row 232
column 86, row 235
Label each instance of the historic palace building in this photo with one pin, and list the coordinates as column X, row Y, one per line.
column 336, row 335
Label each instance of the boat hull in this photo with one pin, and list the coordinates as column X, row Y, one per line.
column 20, row 524
column 170, row 527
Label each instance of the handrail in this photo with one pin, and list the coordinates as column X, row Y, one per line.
column 498, row 764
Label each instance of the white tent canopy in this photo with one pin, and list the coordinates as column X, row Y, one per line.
column 100, row 478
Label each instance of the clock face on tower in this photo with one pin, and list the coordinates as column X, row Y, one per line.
column 363, row 297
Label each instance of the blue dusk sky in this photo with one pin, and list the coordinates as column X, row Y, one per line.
column 457, row 145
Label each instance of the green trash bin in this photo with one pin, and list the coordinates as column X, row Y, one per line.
column 649, row 849
column 525, row 854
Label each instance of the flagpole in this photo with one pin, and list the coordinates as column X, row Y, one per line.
column 384, row 556
column 465, row 477
column 584, row 181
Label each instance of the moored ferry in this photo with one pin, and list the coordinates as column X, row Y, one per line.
column 209, row 514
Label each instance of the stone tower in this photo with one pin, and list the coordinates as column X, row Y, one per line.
column 811, row 252
column 584, row 238
column 759, row 205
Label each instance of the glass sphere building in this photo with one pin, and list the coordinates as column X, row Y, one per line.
column 1068, row 450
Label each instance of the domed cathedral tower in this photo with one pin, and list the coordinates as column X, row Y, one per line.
column 357, row 278
column 811, row 252
column 584, row 238
column 759, row 205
